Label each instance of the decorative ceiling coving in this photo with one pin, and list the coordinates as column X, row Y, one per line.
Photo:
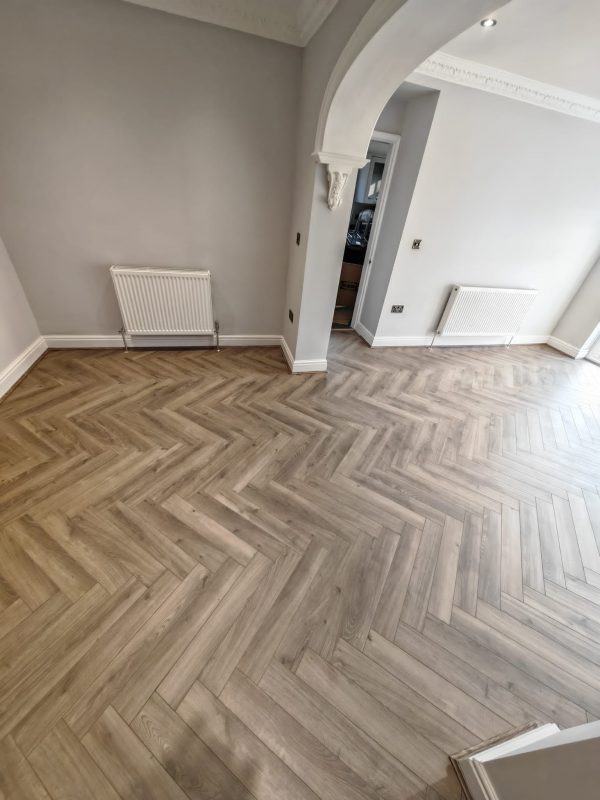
column 554, row 42
column 290, row 21
column 508, row 84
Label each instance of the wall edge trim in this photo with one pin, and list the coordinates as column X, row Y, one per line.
column 20, row 365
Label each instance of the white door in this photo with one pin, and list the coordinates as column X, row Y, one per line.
column 383, row 186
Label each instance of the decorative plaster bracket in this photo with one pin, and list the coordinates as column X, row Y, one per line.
column 339, row 168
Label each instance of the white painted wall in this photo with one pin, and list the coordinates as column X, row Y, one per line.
column 18, row 328
column 508, row 194
column 132, row 136
column 581, row 320
column 414, row 125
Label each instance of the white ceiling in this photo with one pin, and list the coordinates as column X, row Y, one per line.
column 553, row 41
column 556, row 42
column 290, row 21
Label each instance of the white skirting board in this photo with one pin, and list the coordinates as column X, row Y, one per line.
column 456, row 341
column 299, row 365
column 75, row 341
column 568, row 349
column 19, row 366
column 472, row 341
column 67, row 341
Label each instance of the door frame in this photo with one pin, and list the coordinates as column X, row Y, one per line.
column 592, row 356
column 392, row 139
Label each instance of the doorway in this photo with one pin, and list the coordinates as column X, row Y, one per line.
column 370, row 194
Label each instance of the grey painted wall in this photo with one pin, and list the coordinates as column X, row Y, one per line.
column 319, row 58
column 508, row 194
column 18, row 328
column 582, row 317
column 131, row 136
column 392, row 116
column 560, row 766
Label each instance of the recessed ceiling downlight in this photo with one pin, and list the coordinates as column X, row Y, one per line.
column 488, row 22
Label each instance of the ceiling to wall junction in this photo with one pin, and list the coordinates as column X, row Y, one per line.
column 290, row 21
column 552, row 41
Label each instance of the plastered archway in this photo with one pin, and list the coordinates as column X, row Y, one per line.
column 390, row 41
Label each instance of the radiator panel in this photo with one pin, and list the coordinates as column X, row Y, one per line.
column 483, row 311
column 164, row 301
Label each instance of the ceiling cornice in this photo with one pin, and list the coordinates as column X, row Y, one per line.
column 509, row 84
column 311, row 15
column 293, row 22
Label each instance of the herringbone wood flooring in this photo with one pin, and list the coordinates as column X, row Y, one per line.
column 219, row 580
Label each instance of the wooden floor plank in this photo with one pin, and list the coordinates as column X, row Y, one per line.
column 217, row 535
column 372, row 762
column 195, row 609
column 463, row 674
column 67, row 769
column 454, row 702
column 444, row 578
column 467, row 569
column 549, row 704
column 18, row 780
column 69, row 690
column 588, row 548
column 421, row 579
column 551, row 553
column 21, row 573
column 531, row 551
column 265, row 642
column 195, row 657
column 219, row 580
column 196, row 769
column 326, row 774
column 395, row 588
column 243, row 753
column 569, row 546
column 133, row 770
column 399, row 696
column 219, row 667
column 511, row 581
column 367, row 713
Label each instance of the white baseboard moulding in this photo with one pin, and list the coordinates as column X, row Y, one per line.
column 566, row 348
column 75, row 341
column 299, row 365
column 20, row 365
column 468, row 341
column 17, row 368
column 455, row 341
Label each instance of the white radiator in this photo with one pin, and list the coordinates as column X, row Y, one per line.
column 164, row 302
column 482, row 311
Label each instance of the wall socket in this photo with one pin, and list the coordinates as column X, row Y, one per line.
column 397, row 309
column 290, row 315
